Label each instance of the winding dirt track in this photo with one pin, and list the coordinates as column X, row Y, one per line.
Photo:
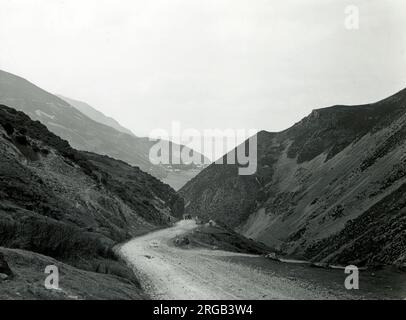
column 168, row 272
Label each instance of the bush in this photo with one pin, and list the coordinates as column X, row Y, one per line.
column 21, row 139
column 44, row 151
column 116, row 268
column 8, row 230
column 9, row 128
column 23, row 131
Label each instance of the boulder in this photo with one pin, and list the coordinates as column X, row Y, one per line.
column 3, row 277
column 272, row 256
column 321, row 265
column 401, row 266
column 4, row 267
column 212, row 223
column 183, row 241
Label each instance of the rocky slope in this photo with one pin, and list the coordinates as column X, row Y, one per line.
column 70, row 205
column 330, row 188
column 88, row 130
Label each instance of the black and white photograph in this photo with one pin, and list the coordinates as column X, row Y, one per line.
column 202, row 150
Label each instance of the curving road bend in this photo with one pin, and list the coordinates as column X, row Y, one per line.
column 168, row 272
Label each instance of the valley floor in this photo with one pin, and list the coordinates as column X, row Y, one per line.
column 178, row 179
column 169, row 272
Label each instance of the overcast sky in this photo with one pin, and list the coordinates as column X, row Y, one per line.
column 208, row 63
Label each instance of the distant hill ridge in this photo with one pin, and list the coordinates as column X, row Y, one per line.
column 95, row 115
column 89, row 131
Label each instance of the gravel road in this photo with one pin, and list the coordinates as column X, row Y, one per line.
column 168, row 272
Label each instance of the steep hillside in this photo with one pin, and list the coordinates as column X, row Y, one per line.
column 88, row 130
column 330, row 188
column 70, row 124
column 95, row 115
column 70, row 205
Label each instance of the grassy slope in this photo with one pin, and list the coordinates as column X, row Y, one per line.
column 74, row 283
